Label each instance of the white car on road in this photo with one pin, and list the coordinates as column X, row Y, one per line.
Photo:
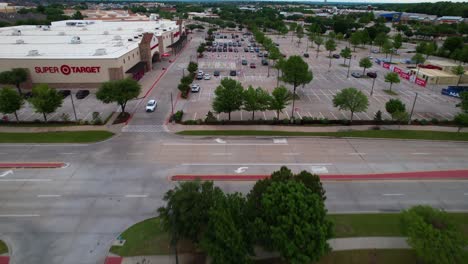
column 195, row 88
column 207, row 76
column 151, row 105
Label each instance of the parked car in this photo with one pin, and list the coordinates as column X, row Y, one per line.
column 257, row 49
column 236, row 50
column 356, row 75
column 264, row 62
column 230, row 49
column 224, row 49
column 252, row 65
column 375, row 51
column 82, row 94
column 260, row 54
column 251, row 49
column 207, row 76
column 277, row 44
column 265, row 54
column 64, row 93
column 372, row 75
column 216, row 73
column 336, row 56
column 151, row 105
column 244, row 62
column 199, row 76
column 232, row 73
column 306, row 55
column 246, row 49
column 195, row 88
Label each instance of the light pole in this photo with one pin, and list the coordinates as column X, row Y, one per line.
column 349, row 65
column 183, row 72
column 373, row 82
column 73, row 105
column 412, row 109
column 172, row 106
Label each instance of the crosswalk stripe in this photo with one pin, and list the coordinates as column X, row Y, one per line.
column 144, row 129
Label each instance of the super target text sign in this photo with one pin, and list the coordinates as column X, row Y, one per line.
column 67, row 70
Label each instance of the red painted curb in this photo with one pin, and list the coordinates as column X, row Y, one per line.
column 4, row 259
column 420, row 175
column 14, row 165
column 113, row 260
column 155, row 82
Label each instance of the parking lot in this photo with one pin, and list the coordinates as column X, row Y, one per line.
column 315, row 98
column 84, row 109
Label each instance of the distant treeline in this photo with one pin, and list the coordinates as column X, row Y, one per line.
column 438, row 9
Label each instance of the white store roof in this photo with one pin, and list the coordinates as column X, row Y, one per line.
column 111, row 39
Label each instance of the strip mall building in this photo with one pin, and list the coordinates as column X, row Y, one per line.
column 84, row 54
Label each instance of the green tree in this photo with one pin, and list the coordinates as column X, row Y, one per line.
column 418, row 59
column 393, row 106
column 45, row 100
column 292, row 28
column 330, row 45
column 433, row 236
column 380, row 40
column 119, row 91
column 296, row 72
column 299, row 33
column 392, row 77
column 464, row 102
column 351, row 99
column 192, row 68
column 294, row 221
column 10, row 102
column 255, row 100
column 228, row 97
column 355, row 40
column 459, row 71
column 280, row 98
column 318, row 41
column 201, row 49
column 186, row 212
column 77, row 15
column 461, row 120
column 365, row 63
column 226, row 238
column 16, row 77
column 387, row 48
column 346, row 54
column 397, row 41
column 312, row 182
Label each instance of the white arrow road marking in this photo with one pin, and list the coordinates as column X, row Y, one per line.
column 6, row 173
column 220, row 141
column 241, row 169
column 318, row 169
column 280, row 141
column 136, row 195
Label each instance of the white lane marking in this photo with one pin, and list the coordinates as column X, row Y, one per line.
column 135, row 153
column 291, row 154
column 256, row 164
column 392, row 194
column 6, row 173
column 220, row 141
column 136, row 195
column 216, row 144
column 465, row 194
column 280, row 141
column 19, row 215
column 420, row 153
column 25, row 180
column 221, row 154
column 48, row 195
column 357, row 153
column 241, row 169
column 318, row 169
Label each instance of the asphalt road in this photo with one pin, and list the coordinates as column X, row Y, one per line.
column 71, row 215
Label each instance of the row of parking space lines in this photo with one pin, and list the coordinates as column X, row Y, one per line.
column 229, row 56
column 330, row 115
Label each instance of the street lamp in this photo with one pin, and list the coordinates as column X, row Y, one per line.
column 412, row 108
column 373, row 82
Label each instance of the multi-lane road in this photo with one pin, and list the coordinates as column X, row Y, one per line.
column 72, row 214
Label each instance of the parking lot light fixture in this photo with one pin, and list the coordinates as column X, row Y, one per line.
column 412, row 109
column 372, row 90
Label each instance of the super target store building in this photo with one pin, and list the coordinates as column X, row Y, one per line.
column 85, row 53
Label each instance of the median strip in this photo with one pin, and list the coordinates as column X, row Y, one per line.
column 32, row 165
column 422, row 175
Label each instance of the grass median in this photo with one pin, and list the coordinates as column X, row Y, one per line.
column 386, row 134
column 3, row 248
column 148, row 237
column 56, row 137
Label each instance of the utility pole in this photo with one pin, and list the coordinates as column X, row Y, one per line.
column 73, row 105
column 412, row 109
column 349, row 65
column 172, row 106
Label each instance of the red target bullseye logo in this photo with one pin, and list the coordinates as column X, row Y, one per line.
column 65, row 69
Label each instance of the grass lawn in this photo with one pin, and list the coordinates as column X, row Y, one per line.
column 354, row 225
column 56, row 137
column 392, row 134
column 380, row 256
column 148, row 238
column 3, row 247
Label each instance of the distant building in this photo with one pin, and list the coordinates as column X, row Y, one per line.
column 111, row 15
column 192, row 15
column 449, row 20
column 392, row 16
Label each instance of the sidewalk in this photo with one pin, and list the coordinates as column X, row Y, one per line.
column 337, row 244
column 177, row 128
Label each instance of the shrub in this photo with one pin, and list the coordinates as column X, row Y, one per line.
column 423, row 122
column 286, row 121
column 96, row 119
column 434, row 121
column 187, row 80
column 324, row 121
column 183, row 87
column 177, row 117
column 190, row 122
column 378, row 116
column 210, row 117
column 65, row 117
